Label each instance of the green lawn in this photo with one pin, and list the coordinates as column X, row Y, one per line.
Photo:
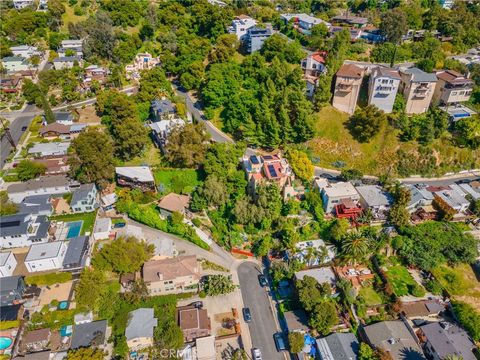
column 150, row 156
column 180, row 181
column 88, row 220
column 400, row 279
column 370, row 296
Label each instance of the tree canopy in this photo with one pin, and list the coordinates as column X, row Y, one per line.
column 28, row 169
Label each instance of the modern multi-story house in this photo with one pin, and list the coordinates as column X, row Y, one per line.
column 452, row 88
column 11, row 289
column 139, row 177
column 52, row 184
column 347, row 87
column 240, row 25
column 7, row 264
column 171, row 276
column 383, row 87
column 48, row 256
column 143, row 61
column 25, row 51
column 303, row 22
column 417, row 87
column 313, row 66
column 84, row 199
column 334, row 193
column 255, row 38
column 21, row 230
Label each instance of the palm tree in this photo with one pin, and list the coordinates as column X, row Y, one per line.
column 355, row 247
column 453, row 357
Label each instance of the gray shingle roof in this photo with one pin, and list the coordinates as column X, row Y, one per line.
column 63, row 116
column 81, row 193
column 163, row 106
column 448, row 339
column 140, row 324
column 11, row 225
column 374, row 195
column 418, row 75
column 39, row 183
column 84, row 334
column 74, row 257
column 338, row 346
column 36, row 204
column 9, row 283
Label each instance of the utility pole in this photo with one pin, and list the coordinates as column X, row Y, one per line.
column 6, row 129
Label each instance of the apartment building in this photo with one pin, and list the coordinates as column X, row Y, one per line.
column 417, row 87
column 452, row 88
column 347, row 87
column 383, row 87
column 255, row 38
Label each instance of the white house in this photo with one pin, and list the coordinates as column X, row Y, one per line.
column 25, row 51
column 454, row 197
column 240, row 25
column 304, row 22
column 102, row 228
column 48, row 256
column 21, row 230
column 15, row 63
column 49, row 149
column 72, row 44
column 84, row 198
column 143, row 61
column 65, row 62
column 7, row 264
column 376, row 199
column 22, row 4
column 333, row 193
column 383, row 87
column 50, row 184
column 313, row 252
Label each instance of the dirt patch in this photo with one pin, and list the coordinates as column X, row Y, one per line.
column 87, row 115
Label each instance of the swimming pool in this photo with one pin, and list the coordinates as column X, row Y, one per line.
column 74, row 228
column 5, row 342
column 63, row 305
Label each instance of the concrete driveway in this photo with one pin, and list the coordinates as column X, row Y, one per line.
column 263, row 324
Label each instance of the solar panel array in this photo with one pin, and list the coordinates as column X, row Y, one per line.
column 272, row 171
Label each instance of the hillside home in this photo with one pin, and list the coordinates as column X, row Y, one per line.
column 313, row 66
column 25, row 51
column 77, row 254
column 10, row 83
column 240, row 25
column 50, row 184
column 102, row 229
column 94, row 73
column 419, row 197
column 142, row 61
column 138, row 177
column 338, row 346
column 357, row 274
column 349, row 19
column 382, row 88
column 90, row 334
column 444, row 339
column 162, row 129
column 334, row 194
column 72, row 44
column 255, row 38
column 8, row 264
column 376, row 199
column 36, row 340
column 323, row 275
column 417, row 87
column 312, row 252
column 347, row 87
column 84, row 198
column 12, row 289
column 172, row 202
column 13, row 64
column 452, row 88
column 194, row 322
column 21, row 230
column 140, row 326
column 171, row 276
column 48, row 256
column 22, row 4
column 303, row 22
column 163, row 109
column 76, row 52
column 453, row 198
column 65, row 62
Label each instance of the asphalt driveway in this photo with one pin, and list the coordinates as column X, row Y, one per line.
column 263, row 324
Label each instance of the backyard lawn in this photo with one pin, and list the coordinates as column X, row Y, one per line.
column 370, row 296
column 181, row 181
column 88, row 220
column 460, row 281
column 400, row 279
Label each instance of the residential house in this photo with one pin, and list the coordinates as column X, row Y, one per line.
column 349, row 19
column 11, row 312
column 453, row 198
column 334, row 193
column 91, row 334
column 94, row 73
column 139, row 330
column 162, row 129
column 77, row 255
column 21, row 230
column 419, row 197
column 382, row 88
column 10, row 83
column 72, row 44
column 83, row 318
column 59, row 130
column 255, row 38
column 240, row 25
column 13, row 64
column 347, row 87
column 303, row 22
column 422, row 309
column 312, row 252
column 36, row 205
column 323, row 275
column 313, row 66
column 11, row 289
column 452, row 88
column 22, row 4
column 65, row 62
column 108, row 200
column 376, row 199
column 142, row 61
column 395, row 337
column 25, row 51
column 48, row 256
column 472, row 189
column 444, row 339
column 417, row 87
column 55, row 166
column 205, row 348
column 102, row 229
column 63, row 117
column 217, row 3
column 84, row 198
column 357, row 275
column 194, row 322
column 36, row 340
column 50, row 184
column 76, row 52
column 163, row 109
column 49, row 149
column 171, row 275
column 338, row 346
column 296, row 320
column 139, row 177
column 172, row 202
column 8, row 264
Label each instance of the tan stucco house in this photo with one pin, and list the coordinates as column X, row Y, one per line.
column 347, row 87
column 417, row 87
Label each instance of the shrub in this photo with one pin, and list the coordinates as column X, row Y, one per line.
column 434, row 287
column 468, row 317
column 5, row 325
column 48, row 279
column 416, row 290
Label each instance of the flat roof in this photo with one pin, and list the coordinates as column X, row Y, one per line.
column 75, row 251
column 4, row 257
column 44, row 251
column 322, row 275
column 340, row 189
column 138, row 173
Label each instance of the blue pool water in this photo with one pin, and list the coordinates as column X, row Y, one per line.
column 66, row 330
column 5, row 342
column 63, row 305
column 74, row 228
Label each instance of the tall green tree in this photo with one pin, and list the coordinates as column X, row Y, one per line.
column 366, row 122
column 27, row 169
column 187, row 145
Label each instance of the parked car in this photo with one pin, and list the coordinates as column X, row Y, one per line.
column 119, row 225
column 197, row 304
column 247, row 316
column 279, row 342
column 262, row 280
column 256, row 354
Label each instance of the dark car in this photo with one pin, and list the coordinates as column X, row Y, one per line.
column 119, row 225
column 262, row 280
column 247, row 316
column 197, row 304
column 24, row 128
column 279, row 342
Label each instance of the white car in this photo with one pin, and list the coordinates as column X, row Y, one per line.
column 257, row 354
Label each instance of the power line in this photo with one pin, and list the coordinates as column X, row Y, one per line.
column 6, row 129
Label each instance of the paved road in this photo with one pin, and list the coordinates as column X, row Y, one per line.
column 263, row 324
column 16, row 132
